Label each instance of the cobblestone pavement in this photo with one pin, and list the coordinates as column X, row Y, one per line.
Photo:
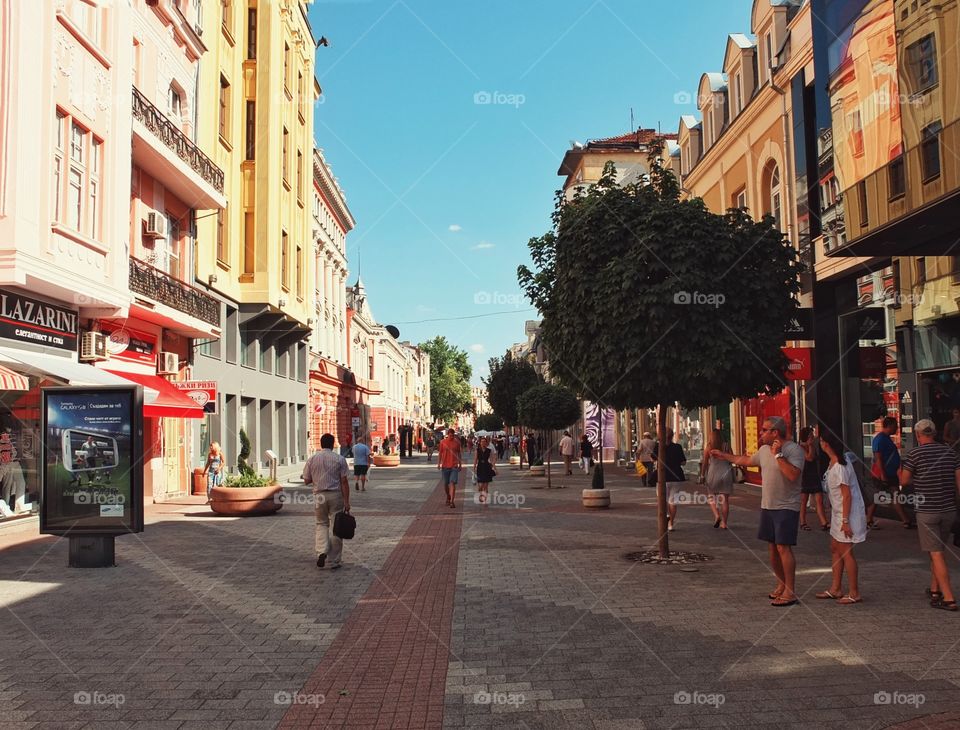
column 521, row 613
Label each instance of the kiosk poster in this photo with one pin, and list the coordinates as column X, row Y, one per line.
column 92, row 479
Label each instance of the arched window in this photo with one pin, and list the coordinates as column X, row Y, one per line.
column 773, row 193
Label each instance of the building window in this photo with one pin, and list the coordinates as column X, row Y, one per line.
column 921, row 264
column 930, row 152
column 175, row 105
column 896, row 178
column 300, row 177
column 740, row 199
column 249, row 242
column 222, row 236
column 284, row 263
column 856, row 132
column 300, row 95
column 170, row 261
column 299, row 272
column 251, row 34
column 224, row 109
column 251, row 130
column 286, row 157
column 226, row 18
column 768, row 61
column 862, row 203
column 77, row 162
column 776, row 195
column 286, row 68
column 922, row 63
column 738, row 92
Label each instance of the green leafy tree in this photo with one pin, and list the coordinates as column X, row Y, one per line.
column 548, row 408
column 449, row 378
column 488, row 422
column 672, row 303
column 509, row 379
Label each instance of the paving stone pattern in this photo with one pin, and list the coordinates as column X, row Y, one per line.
column 521, row 613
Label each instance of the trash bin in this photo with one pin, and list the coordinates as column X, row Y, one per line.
column 199, row 482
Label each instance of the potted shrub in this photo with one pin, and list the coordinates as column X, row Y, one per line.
column 547, row 408
column 246, row 495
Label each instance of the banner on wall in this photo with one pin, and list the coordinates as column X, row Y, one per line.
column 132, row 345
column 592, row 419
column 202, row 392
column 92, row 482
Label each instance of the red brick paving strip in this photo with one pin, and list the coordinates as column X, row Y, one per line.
column 391, row 659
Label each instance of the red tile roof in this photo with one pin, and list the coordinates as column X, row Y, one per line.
column 641, row 136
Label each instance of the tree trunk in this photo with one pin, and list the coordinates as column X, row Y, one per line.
column 547, row 460
column 598, row 482
column 663, row 543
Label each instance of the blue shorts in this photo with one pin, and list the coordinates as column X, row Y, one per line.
column 450, row 475
column 779, row 526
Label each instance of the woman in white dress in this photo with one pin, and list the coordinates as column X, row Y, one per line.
column 848, row 524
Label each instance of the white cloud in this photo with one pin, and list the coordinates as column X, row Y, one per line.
column 483, row 246
column 477, row 348
column 454, row 228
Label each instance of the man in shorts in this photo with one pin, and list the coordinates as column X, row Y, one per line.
column 934, row 471
column 886, row 461
column 361, row 464
column 449, row 462
column 781, row 464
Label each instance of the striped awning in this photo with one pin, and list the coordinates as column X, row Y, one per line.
column 10, row 380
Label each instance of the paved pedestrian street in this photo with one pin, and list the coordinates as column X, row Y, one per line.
column 521, row 613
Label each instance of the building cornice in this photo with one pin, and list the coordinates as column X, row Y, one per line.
column 331, row 192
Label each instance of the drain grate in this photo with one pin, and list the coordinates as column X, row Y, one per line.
column 674, row 557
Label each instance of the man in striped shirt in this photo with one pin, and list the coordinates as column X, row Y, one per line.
column 934, row 471
column 329, row 475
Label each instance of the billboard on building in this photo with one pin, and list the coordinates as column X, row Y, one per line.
column 91, row 482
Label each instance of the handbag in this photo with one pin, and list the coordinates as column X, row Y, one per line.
column 876, row 471
column 641, row 469
column 344, row 525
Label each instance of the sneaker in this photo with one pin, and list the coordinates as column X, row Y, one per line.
column 321, row 559
column 336, row 567
column 669, row 526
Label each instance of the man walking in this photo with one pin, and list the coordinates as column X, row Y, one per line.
column 567, row 448
column 781, row 463
column 361, row 464
column 934, row 471
column 449, row 462
column 329, row 475
column 886, row 461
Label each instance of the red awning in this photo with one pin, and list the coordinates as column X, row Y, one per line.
column 10, row 380
column 169, row 403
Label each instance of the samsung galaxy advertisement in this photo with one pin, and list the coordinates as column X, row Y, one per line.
column 92, row 480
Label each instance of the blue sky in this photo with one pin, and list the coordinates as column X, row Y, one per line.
column 447, row 189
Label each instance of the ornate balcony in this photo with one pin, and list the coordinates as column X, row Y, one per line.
column 159, row 286
column 165, row 152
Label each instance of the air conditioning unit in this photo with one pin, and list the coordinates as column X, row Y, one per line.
column 155, row 226
column 93, row 347
column 168, row 364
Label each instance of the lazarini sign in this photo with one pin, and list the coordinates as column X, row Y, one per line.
column 30, row 320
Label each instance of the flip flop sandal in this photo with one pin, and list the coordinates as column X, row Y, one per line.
column 791, row 602
column 828, row 594
column 944, row 605
column 849, row 601
column 933, row 595
column 805, row 527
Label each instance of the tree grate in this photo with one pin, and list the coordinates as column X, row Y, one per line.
column 674, row 557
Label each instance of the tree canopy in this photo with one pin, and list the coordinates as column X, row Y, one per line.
column 548, row 407
column 671, row 302
column 509, row 378
column 449, row 378
column 488, row 422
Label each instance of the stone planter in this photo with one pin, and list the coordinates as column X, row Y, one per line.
column 514, row 461
column 246, row 501
column 596, row 497
column 386, row 459
column 538, row 471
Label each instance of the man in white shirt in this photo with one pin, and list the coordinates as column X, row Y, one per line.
column 567, row 449
column 329, row 475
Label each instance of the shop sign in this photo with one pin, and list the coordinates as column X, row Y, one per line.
column 92, row 482
column 800, row 325
column 128, row 344
column 800, row 365
column 871, row 323
column 29, row 320
column 201, row 392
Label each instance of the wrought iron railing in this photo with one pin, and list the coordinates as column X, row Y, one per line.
column 159, row 286
column 167, row 132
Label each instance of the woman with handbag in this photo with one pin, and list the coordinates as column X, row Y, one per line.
column 484, row 461
column 586, row 454
column 718, row 476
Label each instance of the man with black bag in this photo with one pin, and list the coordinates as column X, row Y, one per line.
column 329, row 475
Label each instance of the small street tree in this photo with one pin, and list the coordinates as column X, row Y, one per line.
column 509, row 379
column 488, row 422
column 548, row 408
column 449, row 378
column 672, row 303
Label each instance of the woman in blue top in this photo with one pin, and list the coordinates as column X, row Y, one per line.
column 213, row 469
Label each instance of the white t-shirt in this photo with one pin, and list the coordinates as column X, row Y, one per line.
column 778, row 492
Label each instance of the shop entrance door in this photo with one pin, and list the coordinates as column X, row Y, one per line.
column 172, row 455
